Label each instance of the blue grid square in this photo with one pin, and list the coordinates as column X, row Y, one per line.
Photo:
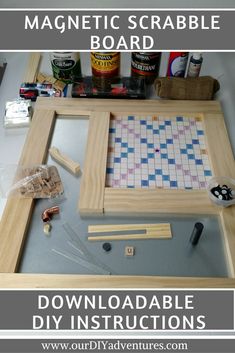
column 150, row 145
column 149, row 127
column 195, row 142
column 118, row 139
column 169, row 141
column 168, row 122
column 123, row 155
column 200, row 132
column 179, row 118
column 189, row 146
column 151, row 155
column 117, row 160
column 109, row 170
column 207, row 173
column 124, row 144
column 143, row 122
column 173, row 183
column 151, row 177
column 171, row 161
column 158, row 172
column 130, row 117
column 112, row 130
column 130, row 150
column 198, row 161
column 144, row 183
column 130, row 186
column 163, row 145
column 162, row 127
column 183, row 151
column 191, row 156
column 164, row 155
column 155, row 131
column 144, row 160
column 165, row 177
column 143, row 140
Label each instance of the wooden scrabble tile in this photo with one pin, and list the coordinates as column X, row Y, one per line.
column 129, row 251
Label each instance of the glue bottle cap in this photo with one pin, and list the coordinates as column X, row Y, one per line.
column 197, row 56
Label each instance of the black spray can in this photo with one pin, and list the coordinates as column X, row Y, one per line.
column 146, row 65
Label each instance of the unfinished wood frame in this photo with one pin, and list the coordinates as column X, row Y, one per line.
column 96, row 198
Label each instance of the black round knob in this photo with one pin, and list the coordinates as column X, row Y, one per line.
column 107, row 247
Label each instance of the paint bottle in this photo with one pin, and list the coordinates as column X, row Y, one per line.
column 105, row 68
column 177, row 64
column 145, row 65
column 66, row 65
column 195, row 64
column 105, row 64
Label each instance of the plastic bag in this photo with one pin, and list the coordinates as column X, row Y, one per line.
column 40, row 181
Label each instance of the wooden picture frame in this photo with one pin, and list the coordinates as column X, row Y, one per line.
column 95, row 198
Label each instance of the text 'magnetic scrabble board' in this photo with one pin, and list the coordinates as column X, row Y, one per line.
column 157, row 152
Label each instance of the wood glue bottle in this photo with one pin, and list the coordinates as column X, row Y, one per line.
column 195, row 64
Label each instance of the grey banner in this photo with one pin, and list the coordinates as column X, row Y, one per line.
column 71, row 4
column 57, row 30
column 117, row 310
column 118, row 345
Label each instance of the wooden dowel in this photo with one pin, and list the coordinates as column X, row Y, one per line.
column 152, row 231
column 125, row 227
column 32, row 68
column 163, row 235
column 64, row 160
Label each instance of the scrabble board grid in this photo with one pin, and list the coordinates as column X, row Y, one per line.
column 157, row 152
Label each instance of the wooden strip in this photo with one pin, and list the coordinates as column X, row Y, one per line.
column 122, row 227
column 64, row 160
column 115, row 105
column 220, row 151
column 227, row 217
column 152, row 231
column 157, row 235
column 32, row 68
column 17, row 212
column 94, row 173
column 153, row 201
column 155, row 113
column 72, row 112
column 19, row 280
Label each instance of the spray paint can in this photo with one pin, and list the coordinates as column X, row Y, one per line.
column 105, row 64
column 66, row 65
column 177, row 64
column 145, row 65
column 195, row 65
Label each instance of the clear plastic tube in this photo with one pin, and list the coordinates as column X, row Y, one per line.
column 79, row 246
column 90, row 266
